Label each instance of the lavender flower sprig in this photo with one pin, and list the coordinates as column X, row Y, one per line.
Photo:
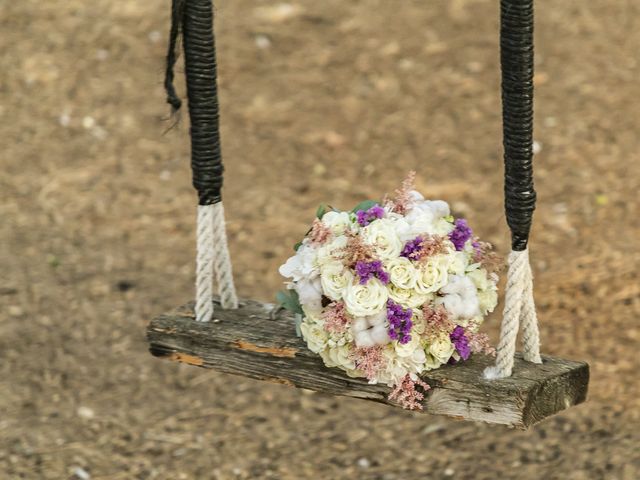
column 365, row 217
column 399, row 322
column 460, row 234
column 461, row 342
column 368, row 270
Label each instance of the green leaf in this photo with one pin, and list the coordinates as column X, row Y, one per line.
column 297, row 246
column 322, row 209
column 290, row 301
column 366, row 205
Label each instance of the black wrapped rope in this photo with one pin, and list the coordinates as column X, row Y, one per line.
column 194, row 19
column 516, row 59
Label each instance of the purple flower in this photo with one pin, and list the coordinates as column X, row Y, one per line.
column 460, row 234
column 365, row 217
column 412, row 249
column 461, row 342
column 368, row 270
column 399, row 322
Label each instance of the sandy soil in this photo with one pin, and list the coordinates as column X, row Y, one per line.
column 322, row 101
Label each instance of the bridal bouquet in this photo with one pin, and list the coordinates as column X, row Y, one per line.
column 392, row 289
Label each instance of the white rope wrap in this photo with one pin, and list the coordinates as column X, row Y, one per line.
column 204, row 264
column 519, row 308
column 222, row 260
column 212, row 257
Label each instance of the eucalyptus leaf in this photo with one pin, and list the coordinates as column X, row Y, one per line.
column 289, row 300
column 366, row 205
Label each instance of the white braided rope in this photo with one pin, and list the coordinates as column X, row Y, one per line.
column 519, row 308
column 222, row 260
column 204, row 263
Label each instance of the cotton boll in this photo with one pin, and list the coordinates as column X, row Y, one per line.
column 380, row 335
column 377, row 319
column 310, row 293
column 439, row 208
column 360, row 324
column 460, row 297
column 363, row 339
column 416, row 196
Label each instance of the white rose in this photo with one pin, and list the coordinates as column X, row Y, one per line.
column 420, row 221
column 315, row 336
column 442, row 227
column 433, row 274
column 382, row 235
column 338, row 222
column 338, row 357
column 310, row 294
column 487, row 299
column 459, row 263
column 335, row 278
column 367, row 299
column 408, row 298
column 330, row 252
column 438, row 352
column 302, row 265
column 407, row 349
column 402, row 273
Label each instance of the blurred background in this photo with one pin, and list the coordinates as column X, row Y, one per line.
column 328, row 101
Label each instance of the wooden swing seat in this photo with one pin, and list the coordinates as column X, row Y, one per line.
column 253, row 342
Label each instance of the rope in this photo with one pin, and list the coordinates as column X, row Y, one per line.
column 516, row 61
column 222, row 260
column 519, row 309
column 194, row 20
column 204, row 263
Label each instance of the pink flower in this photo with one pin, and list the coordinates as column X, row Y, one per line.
column 406, row 395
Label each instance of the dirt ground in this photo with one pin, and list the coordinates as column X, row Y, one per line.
column 321, row 101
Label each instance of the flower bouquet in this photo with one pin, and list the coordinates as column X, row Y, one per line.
column 392, row 289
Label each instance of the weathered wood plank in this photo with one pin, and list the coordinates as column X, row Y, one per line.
column 249, row 342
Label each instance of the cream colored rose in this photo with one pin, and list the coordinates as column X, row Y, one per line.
column 487, row 299
column 407, row 349
column 335, row 278
column 408, row 298
column 438, row 352
column 433, row 274
column 459, row 262
column 338, row 222
column 315, row 336
column 331, row 252
column 338, row 357
column 402, row 273
column 367, row 299
column 382, row 235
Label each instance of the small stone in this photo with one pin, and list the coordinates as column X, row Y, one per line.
column 88, row 122
column 86, row 413
column 165, row 175
column 262, row 41
column 64, row 119
column 155, row 36
column 81, row 474
column 449, row 472
column 364, row 462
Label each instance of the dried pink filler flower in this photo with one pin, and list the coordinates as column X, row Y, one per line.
column 479, row 343
column 335, row 318
column 485, row 255
column 319, row 233
column 407, row 396
column 369, row 360
column 437, row 321
column 356, row 251
column 400, row 204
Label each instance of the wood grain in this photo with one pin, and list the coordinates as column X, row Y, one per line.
column 254, row 343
